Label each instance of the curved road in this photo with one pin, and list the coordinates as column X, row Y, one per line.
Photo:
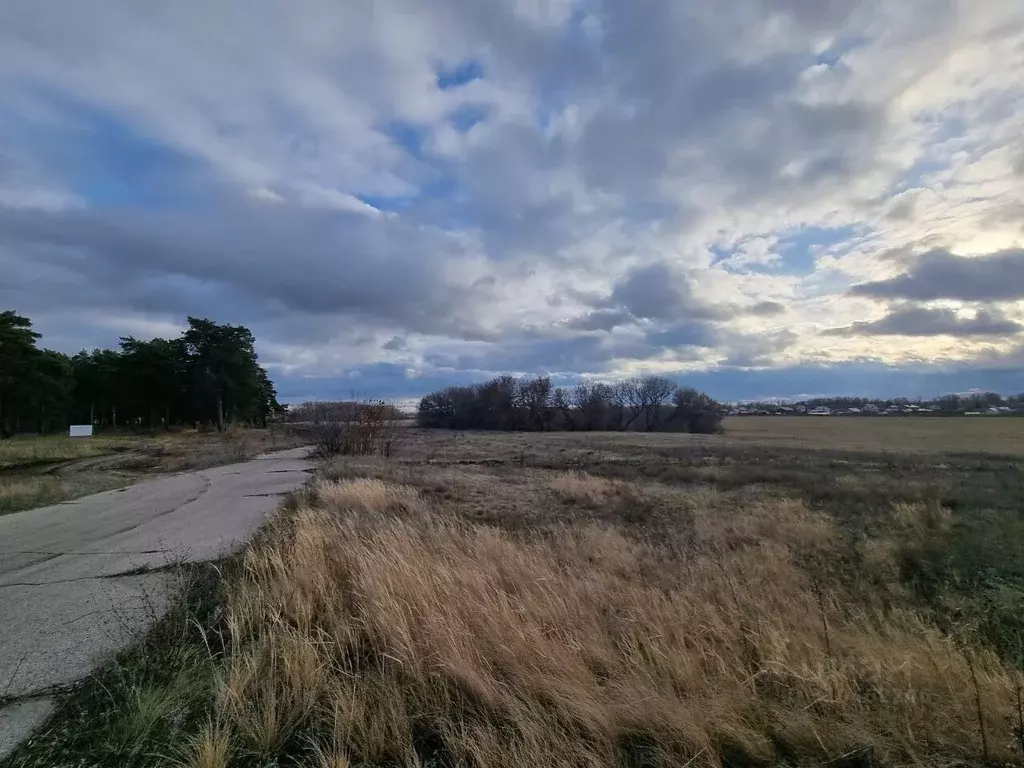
column 73, row 580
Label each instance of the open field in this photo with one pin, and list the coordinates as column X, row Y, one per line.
column 596, row 599
column 36, row 471
column 927, row 434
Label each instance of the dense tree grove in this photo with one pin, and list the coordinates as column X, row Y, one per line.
column 208, row 375
column 650, row 403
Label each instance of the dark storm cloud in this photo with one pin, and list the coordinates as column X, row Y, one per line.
column 692, row 333
column 939, row 274
column 756, row 349
column 395, row 344
column 923, row 321
column 663, row 294
column 602, row 320
column 532, row 354
column 659, row 292
column 767, row 309
column 263, row 259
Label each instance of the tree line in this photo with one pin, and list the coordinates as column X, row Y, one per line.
column 648, row 403
column 208, row 375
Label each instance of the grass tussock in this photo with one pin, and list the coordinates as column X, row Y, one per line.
column 583, row 488
column 209, row 748
column 369, row 627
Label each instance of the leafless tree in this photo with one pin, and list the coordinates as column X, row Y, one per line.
column 535, row 395
column 654, row 392
column 358, row 429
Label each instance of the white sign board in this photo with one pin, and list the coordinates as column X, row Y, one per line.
column 81, row 430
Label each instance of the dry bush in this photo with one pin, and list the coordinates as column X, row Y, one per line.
column 922, row 519
column 400, row 634
column 358, row 429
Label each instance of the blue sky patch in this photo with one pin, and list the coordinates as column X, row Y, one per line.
column 408, row 136
column 468, row 115
column 459, row 75
column 800, row 248
column 106, row 160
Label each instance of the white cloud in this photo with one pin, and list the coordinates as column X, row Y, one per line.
column 610, row 139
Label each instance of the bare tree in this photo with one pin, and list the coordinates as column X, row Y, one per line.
column 592, row 403
column 563, row 411
column 654, row 392
column 535, row 395
column 507, row 402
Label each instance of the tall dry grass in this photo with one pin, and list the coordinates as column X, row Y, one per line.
column 370, row 627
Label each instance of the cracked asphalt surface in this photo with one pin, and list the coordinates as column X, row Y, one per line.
column 82, row 579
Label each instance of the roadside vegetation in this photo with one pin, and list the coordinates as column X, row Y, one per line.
column 593, row 599
column 40, row 470
column 25, row 452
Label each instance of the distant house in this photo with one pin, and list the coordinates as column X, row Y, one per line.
column 854, row 410
column 870, row 408
column 821, row 410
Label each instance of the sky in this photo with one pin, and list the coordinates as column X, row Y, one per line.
column 762, row 198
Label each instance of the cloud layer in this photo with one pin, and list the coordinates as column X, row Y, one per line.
column 398, row 194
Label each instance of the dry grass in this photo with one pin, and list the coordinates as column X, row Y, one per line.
column 597, row 599
column 210, row 748
column 26, row 451
column 36, row 471
column 584, row 488
column 371, row 626
column 920, row 434
column 27, row 492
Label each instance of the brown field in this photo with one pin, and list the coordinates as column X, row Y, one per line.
column 929, row 434
column 603, row 599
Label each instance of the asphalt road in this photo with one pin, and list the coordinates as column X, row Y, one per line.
column 71, row 590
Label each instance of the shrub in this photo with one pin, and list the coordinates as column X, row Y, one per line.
column 354, row 430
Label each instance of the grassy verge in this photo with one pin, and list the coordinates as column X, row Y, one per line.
column 562, row 607
column 20, row 493
column 39, row 471
column 142, row 707
column 23, row 451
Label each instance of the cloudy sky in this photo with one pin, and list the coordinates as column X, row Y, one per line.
column 766, row 198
